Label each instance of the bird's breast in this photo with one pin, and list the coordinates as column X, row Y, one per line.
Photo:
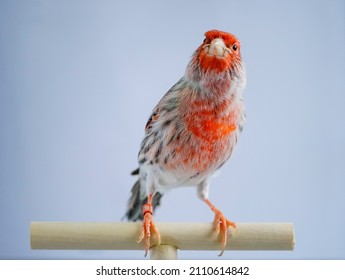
column 207, row 140
column 208, row 129
column 210, row 122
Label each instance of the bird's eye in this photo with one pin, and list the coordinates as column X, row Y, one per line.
column 234, row 47
column 205, row 40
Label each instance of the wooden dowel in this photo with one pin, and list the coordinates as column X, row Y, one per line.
column 183, row 236
column 163, row 252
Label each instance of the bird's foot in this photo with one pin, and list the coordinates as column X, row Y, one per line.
column 221, row 226
column 148, row 228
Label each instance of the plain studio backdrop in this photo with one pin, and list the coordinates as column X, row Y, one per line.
column 79, row 80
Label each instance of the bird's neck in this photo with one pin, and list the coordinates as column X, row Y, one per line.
column 210, row 87
column 215, row 85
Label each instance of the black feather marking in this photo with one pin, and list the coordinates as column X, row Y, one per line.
column 173, row 153
column 166, row 123
column 159, row 150
column 166, row 159
column 195, row 175
column 135, row 172
column 172, row 138
column 146, row 149
column 178, row 136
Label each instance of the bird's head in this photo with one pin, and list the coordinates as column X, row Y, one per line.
column 220, row 51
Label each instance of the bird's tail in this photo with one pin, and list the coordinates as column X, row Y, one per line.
column 137, row 200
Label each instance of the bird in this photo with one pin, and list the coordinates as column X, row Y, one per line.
column 191, row 133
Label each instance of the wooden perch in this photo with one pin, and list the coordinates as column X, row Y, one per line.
column 183, row 236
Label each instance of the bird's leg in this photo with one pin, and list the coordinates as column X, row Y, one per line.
column 148, row 226
column 221, row 224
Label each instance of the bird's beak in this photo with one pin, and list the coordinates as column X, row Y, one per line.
column 218, row 48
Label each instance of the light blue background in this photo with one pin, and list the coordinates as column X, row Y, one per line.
column 80, row 78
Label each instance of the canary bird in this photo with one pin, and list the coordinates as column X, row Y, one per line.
column 192, row 132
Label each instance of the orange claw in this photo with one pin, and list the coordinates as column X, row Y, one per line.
column 147, row 228
column 221, row 225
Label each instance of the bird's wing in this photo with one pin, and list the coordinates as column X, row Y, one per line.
column 165, row 106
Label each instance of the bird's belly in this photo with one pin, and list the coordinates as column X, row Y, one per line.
column 191, row 163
